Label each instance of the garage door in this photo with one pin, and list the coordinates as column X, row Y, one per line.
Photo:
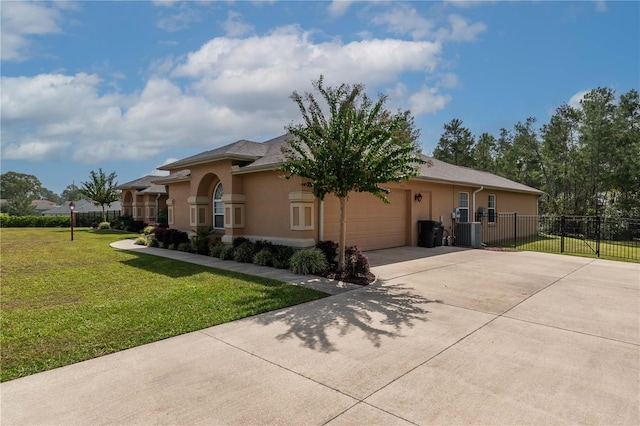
column 371, row 224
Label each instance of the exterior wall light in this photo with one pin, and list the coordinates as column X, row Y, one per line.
column 418, row 197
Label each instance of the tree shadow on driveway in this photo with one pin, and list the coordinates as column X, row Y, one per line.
column 378, row 311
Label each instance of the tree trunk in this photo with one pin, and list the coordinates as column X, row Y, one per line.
column 343, row 232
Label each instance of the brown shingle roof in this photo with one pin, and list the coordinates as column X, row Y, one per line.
column 268, row 156
column 144, row 185
column 445, row 172
column 240, row 150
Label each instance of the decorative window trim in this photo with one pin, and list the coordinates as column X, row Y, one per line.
column 464, row 210
column 491, row 210
column 301, row 211
column 218, row 207
column 233, row 210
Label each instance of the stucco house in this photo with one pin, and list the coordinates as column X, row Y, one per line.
column 142, row 199
column 237, row 190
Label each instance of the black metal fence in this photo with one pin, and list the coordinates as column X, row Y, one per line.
column 585, row 235
column 84, row 219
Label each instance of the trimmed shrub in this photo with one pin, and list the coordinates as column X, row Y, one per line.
column 152, row 241
column 216, row 250
column 330, row 250
column 281, row 256
column 149, row 229
column 160, row 234
column 216, row 247
column 308, row 261
column 136, row 226
column 237, row 242
column 166, row 237
column 104, row 225
column 141, row 241
column 7, row 221
column 226, row 253
column 200, row 241
column 263, row 244
column 263, row 258
column 184, row 246
column 179, row 237
column 244, row 252
column 356, row 264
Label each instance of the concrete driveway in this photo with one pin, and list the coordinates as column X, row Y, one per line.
column 446, row 336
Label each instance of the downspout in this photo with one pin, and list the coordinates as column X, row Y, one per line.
column 157, row 206
column 474, row 201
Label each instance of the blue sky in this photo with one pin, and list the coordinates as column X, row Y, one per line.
column 130, row 86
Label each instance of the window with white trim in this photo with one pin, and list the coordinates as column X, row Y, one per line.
column 463, row 206
column 491, row 208
column 218, row 207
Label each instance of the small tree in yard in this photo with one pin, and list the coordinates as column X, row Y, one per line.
column 101, row 189
column 359, row 147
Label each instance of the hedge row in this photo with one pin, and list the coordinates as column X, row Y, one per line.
column 7, row 221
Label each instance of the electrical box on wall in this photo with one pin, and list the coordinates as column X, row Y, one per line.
column 455, row 214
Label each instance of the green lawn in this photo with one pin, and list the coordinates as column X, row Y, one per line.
column 627, row 251
column 66, row 301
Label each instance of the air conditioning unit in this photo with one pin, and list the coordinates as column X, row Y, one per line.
column 469, row 234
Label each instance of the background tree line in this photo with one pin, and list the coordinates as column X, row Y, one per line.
column 585, row 159
column 19, row 190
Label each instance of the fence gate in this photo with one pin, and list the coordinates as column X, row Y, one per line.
column 583, row 235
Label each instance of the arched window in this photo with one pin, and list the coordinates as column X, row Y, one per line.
column 218, row 207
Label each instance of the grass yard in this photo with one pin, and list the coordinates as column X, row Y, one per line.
column 627, row 251
column 66, row 301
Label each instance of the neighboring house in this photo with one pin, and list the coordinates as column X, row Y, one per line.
column 142, row 199
column 237, row 190
column 83, row 206
column 42, row 206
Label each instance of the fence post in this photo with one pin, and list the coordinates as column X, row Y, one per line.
column 562, row 226
column 515, row 229
column 598, row 221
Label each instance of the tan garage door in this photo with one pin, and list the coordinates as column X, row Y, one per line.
column 371, row 224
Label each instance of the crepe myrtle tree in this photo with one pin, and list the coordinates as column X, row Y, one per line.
column 101, row 189
column 359, row 146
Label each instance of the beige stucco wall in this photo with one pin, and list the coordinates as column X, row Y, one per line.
column 264, row 199
column 268, row 207
column 178, row 193
column 144, row 207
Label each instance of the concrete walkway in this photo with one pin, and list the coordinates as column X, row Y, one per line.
column 446, row 336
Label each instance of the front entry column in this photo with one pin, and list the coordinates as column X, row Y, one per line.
column 198, row 210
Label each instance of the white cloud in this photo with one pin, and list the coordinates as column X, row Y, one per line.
column 426, row 100
column 35, row 150
column 180, row 20
column 234, row 26
column 288, row 57
column 449, row 81
column 461, row 30
column 403, row 20
column 575, row 100
column 338, row 7
column 156, row 172
column 228, row 89
column 22, row 20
